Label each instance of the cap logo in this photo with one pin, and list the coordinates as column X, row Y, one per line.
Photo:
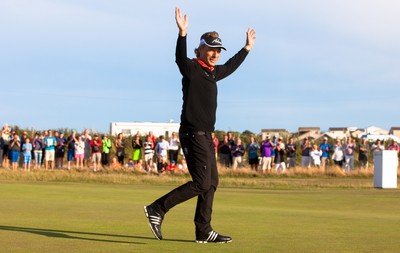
column 216, row 41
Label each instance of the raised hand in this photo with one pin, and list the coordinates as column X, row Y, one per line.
column 182, row 23
column 251, row 37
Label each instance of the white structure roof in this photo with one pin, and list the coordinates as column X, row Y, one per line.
column 384, row 137
column 131, row 128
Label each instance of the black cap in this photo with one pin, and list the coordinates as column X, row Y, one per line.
column 212, row 42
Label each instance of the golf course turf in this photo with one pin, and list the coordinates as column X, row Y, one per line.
column 93, row 217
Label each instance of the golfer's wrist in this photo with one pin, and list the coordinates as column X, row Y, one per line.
column 248, row 48
column 182, row 33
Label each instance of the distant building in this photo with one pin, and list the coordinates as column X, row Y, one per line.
column 395, row 131
column 357, row 133
column 371, row 130
column 131, row 128
column 376, row 130
column 373, row 133
column 308, row 132
column 338, row 132
column 274, row 132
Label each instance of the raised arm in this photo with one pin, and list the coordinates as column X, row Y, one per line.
column 182, row 23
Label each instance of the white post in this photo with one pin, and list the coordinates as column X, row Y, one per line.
column 385, row 169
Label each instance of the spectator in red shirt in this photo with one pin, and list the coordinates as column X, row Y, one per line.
column 394, row 146
column 171, row 168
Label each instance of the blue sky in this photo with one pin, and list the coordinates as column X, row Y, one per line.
column 86, row 63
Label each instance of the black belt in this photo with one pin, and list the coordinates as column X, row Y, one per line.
column 187, row 131
column 194, row 133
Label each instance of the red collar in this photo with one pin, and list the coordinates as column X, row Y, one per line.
column 203, row 64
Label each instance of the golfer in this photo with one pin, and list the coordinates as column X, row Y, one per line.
column 199, row 86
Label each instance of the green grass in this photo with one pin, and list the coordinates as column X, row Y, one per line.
column 299, row 179
column 82, row 217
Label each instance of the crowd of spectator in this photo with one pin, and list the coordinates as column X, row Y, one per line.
column 150, row 154
column 342, row 154
column 53, row 150
column 273, row 155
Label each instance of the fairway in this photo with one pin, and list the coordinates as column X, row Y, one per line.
column 73, row 217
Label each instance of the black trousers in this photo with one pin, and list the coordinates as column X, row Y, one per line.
column 173, row 155
column 200, row 157
column 105, row 159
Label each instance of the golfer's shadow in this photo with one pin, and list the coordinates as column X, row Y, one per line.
column 81, row 235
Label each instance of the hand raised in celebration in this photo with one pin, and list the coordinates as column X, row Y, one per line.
column 251, row 37
column 182, row 23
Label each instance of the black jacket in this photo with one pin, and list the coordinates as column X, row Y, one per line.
column 199, row 87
